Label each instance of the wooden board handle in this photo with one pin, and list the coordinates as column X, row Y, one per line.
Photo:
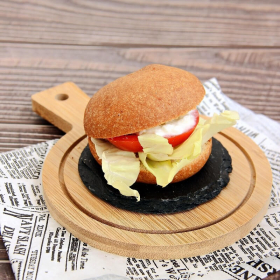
column 63, row 106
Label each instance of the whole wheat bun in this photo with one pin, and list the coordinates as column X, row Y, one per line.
column 144, row 99
column 141, row 100
column 187, row 171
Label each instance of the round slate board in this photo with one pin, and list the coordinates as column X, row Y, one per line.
column 176, row 197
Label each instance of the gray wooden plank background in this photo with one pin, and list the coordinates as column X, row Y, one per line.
column 91, row 43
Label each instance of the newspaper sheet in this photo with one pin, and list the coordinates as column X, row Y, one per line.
column 40, row 248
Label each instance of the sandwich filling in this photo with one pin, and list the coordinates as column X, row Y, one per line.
column 161, row 158
column 175, row 127
column 176, row 131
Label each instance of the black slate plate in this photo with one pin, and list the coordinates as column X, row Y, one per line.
column 176, row 197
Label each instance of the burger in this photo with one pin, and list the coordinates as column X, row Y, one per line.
column 144, row 127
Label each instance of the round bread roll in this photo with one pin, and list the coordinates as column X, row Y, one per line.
column 147, row 98
column 187, row 171
column 144, row 99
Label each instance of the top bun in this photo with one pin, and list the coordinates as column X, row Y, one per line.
column 144, row 99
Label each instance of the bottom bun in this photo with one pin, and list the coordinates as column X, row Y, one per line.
column 187, row 171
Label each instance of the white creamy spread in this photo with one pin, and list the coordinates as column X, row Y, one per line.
column 174, row 127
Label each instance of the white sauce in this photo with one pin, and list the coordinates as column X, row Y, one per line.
column 174, row 127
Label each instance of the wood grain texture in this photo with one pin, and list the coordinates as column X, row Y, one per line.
column 6, row 272
column 45, row 43
column 142, row 23
column 3, row 253
column 249, row 76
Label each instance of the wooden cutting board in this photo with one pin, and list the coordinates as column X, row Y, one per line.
column 211, row 226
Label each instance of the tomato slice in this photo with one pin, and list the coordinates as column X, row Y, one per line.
column 131, row 143
column 128, row 142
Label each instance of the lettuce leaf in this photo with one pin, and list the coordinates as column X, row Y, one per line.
column 121, row 168
column 153, row 143
column 165, row 166
column 164, row 171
